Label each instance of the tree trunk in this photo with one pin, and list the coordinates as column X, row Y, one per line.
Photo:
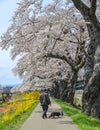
column 59, row 88
column 64, row 96
column 91, row 92
column 68, row 90
column 56, row 90
column 89, row 65
column 92, row 71
column 62, row 87
column 71, row 87
column 64, row 90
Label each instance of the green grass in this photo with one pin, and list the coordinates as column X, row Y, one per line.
column 0, row 97
column 17, row 122
column 84, row 122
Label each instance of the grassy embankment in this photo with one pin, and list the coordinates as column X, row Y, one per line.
column 83, row 122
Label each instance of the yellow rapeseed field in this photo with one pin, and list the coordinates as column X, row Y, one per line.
column 19, row 105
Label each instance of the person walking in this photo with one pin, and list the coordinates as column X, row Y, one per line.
column 44, row 101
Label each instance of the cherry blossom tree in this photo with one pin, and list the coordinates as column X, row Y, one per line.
column 91, row 96
column 40, row 33
column 36, row 31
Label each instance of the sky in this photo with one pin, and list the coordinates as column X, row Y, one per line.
column 7, row 78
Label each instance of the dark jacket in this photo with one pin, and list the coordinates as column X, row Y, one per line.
column 44, row 99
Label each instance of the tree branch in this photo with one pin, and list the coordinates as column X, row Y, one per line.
column 63, row 57
column 79, row 66
column 41, row 77
column 84, row 10
column 93, row 7
column 88, row 13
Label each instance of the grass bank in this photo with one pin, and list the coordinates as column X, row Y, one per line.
column 82, row 121
column 17, row 122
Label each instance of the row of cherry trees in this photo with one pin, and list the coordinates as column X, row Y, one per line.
column 54, row 42
column 91, row 94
